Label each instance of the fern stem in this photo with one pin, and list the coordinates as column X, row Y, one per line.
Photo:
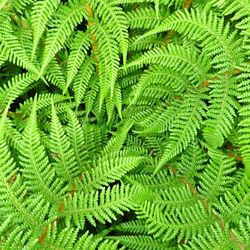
column 187, row 4
column 94, row 44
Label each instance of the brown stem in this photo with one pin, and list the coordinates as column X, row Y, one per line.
column 187, row 4
column 94, row 44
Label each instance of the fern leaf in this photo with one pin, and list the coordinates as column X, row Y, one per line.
column 114, row 14
column 242, row 233
column 221, row 112
column 108, row 169
column 65, row 162
column 82, row 79
column 36, row 167
column 108, row 244
column 178, row 58
column 78, row 52
column 14, row 191
column 210, row 32
column 62, row 26
column 116, row 142
column 42, row 12
column 101, row 206
column 15, row 87
column 184, row 224
column 14, row 50
column 163, row 76
column 76, row 137
column 192, row 161
column 161, row 181
column 133, row 227
column 241, row 13
column 213, row 238
column 234, row 203
column 108, row 60
column 185, row 127
column 67, row 238
column 55, row 74
column 216, row 179
column 161, row 120
column 145, row 18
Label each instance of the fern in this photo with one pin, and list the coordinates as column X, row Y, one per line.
column 61, row 28
column 42, row 11
column 124, row 124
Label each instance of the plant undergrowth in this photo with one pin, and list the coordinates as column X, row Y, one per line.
column 125, row 124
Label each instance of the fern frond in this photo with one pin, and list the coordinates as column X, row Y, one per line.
column 161, row 181
column 177, row 58
column 114, row 14
column 66, row 18
column 161, row 120
column 116, row 142
column 213, row 238
column 184, row 223
column 133, row 227
column 99, row 205
column 234, row 203
column 42, row 11
column 55, row 74
column 221, row 112
column 15, row 87
column 242, row 233
column 244, row 111
column 108, row 169
column 210, row 31
column 43, row 102
column 19, row 239
column 13, row 136
column 78, row 52
column 108, row 59
column 145, row 18
column 162, row 76
column 240, row 9
column 67, row 238
column 192, row 161
column 156, row 145
column 109, row 244
column 14, row 50
column 76, row 137
column 36, row 168
column 21, row 5
column 145, row 44
column 216, row 178
column 185, row 127
column 62, row 153
column 82, row 79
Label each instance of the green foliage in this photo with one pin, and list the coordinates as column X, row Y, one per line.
column 124, row 124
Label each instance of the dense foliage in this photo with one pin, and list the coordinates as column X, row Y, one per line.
column 125, row 124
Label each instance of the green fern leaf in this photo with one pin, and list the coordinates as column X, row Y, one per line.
column 42, row 11
column 208, row 30
column 36, row 167
column 109, row 168
column 79, row 49
column 63, row 154
column 185, row 127
column 110, row 13
column 101, row 206
column 67, row 17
